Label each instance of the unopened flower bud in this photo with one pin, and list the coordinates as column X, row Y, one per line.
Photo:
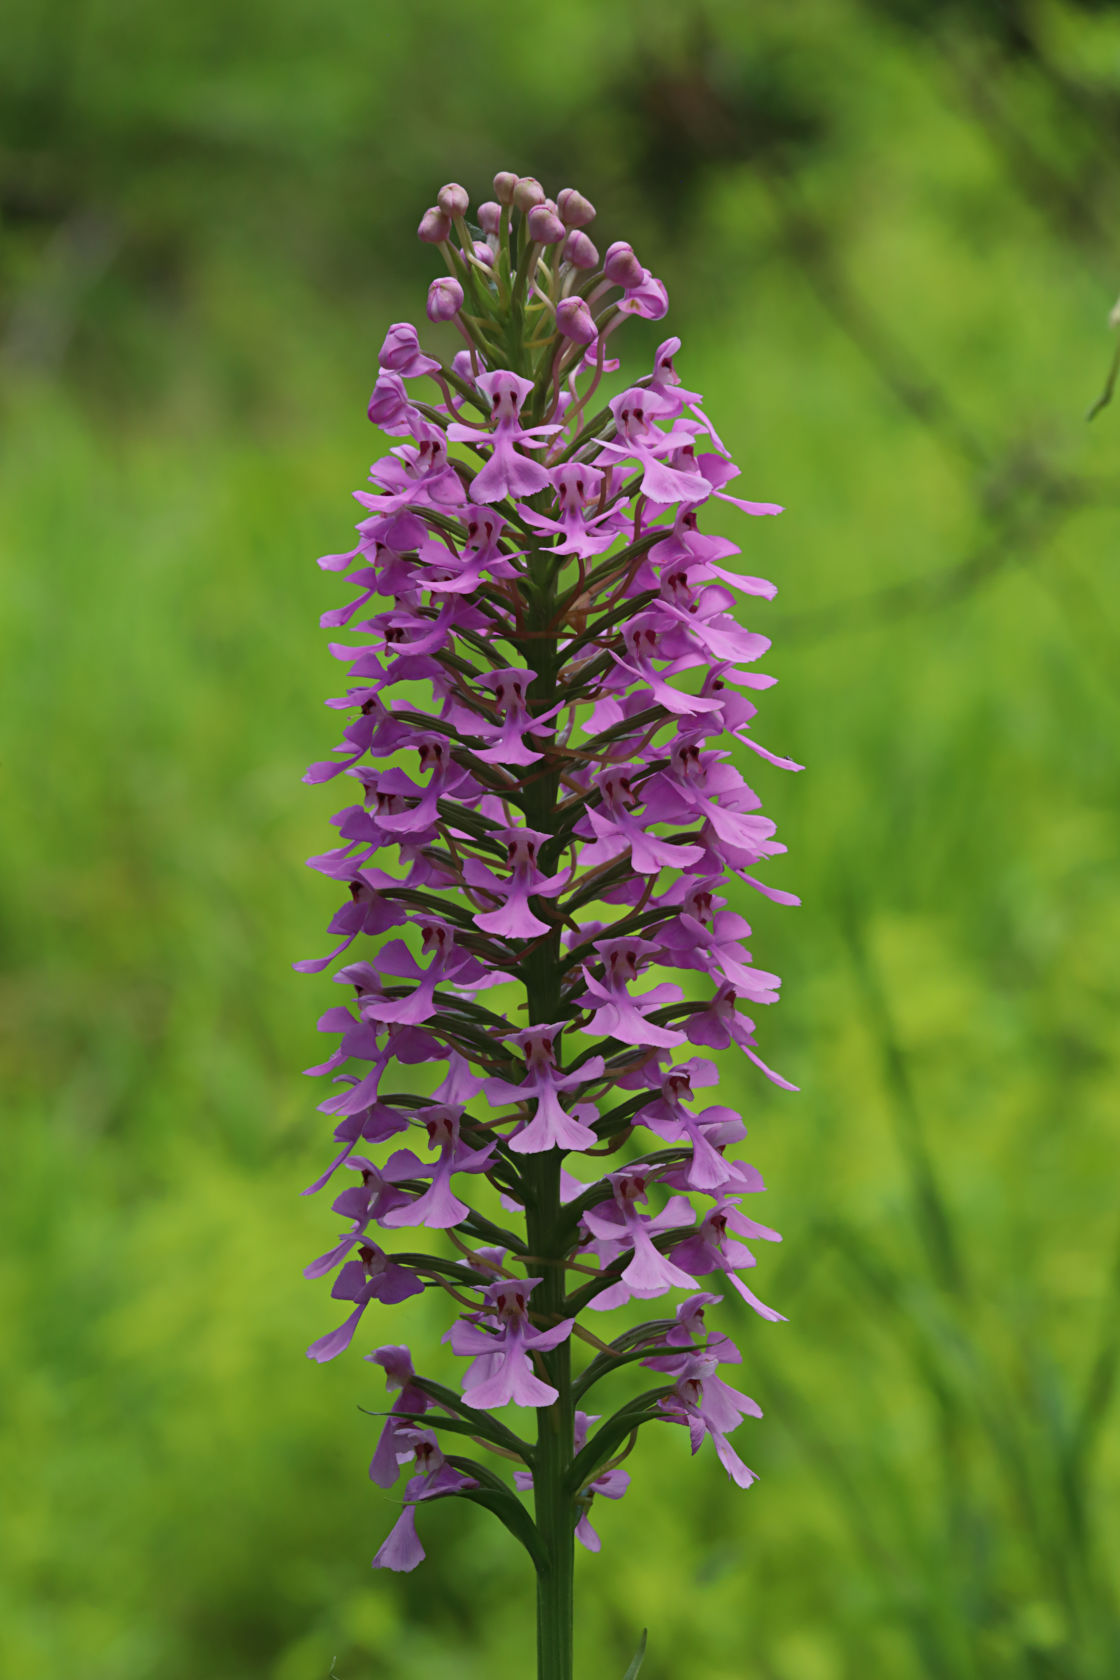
column 574, row 320
column 490, row 216
column 435, row 226
column 482, row 252
column 445, row 299
column 621, row 266
column 504, row 184
column 579, row 250
column 574, row 210
column 544, row 226
column 453, row 199
column 528, row 193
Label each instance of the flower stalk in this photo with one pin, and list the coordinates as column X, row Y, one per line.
column 529, row 848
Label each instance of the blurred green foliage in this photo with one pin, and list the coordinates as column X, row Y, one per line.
column 886, row 230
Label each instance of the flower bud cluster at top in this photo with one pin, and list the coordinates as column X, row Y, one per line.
column 548, row 832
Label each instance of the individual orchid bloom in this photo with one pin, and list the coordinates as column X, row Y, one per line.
column 459, row 1085
column 650, row 300
column 481, row 554
column 448, row 964
column 705, row 937
column 720, row 1025
column 735, row 713
column 373, row 1276
column 410, row 1404
column 514, row 919
column 365, row 912
column 398, row 659
column 358, row 1038
column 740, row 1177
column 419, row 477
column 409, row 635
column 661, row 1076
column 714, row 469
column 401, row 1549
column 359, row 1092
column 644, row 639
column 369, row 580
column 502, row 1341
column 507, row 472
column 690, row 1327
column 698, row 613
column 438, row 1207
column 374, row 729
column 577, row 487
column 362, row 825
column 368, row 1120
column 638, row 438
column 539, row 608
column 509, row 689
column 552, row 1126
column 373, row 1199
column 700, row 552
column 621, row 1221
column 669, row 1116
column 619, row 1013
column 699, row 785
column 707, row 1406
column 669, row 394
column 710, row 1248
column 445, row 779
column 618, row 831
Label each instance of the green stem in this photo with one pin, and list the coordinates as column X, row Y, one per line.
column 553, row 1458
column 555, row 1510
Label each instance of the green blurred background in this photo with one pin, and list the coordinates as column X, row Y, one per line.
column 889, row 232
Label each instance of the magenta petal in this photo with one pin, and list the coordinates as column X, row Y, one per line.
column 512, row 920
column 469, row 1339
column 651, row 1273
column 752, row 1300
column 513, row 1383
column 325, row 1177
column 545, row 1340
column 401, row 1550
column 732, row 1463
column 330, row 1346
column 508, row 474
column 616, row 1296
column 437, row 1208
column 327, row 1262
column 775, row 1078
column 552, row 1128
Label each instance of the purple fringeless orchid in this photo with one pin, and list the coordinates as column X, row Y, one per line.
column 546, row 679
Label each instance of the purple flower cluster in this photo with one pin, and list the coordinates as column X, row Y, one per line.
column 545, row 817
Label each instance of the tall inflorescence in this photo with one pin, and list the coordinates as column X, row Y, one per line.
column 546, row 818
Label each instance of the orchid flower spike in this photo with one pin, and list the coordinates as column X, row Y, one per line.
column 543, row 866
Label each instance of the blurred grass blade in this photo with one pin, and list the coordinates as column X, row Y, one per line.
column 636, row 1661
column 1109, row 386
